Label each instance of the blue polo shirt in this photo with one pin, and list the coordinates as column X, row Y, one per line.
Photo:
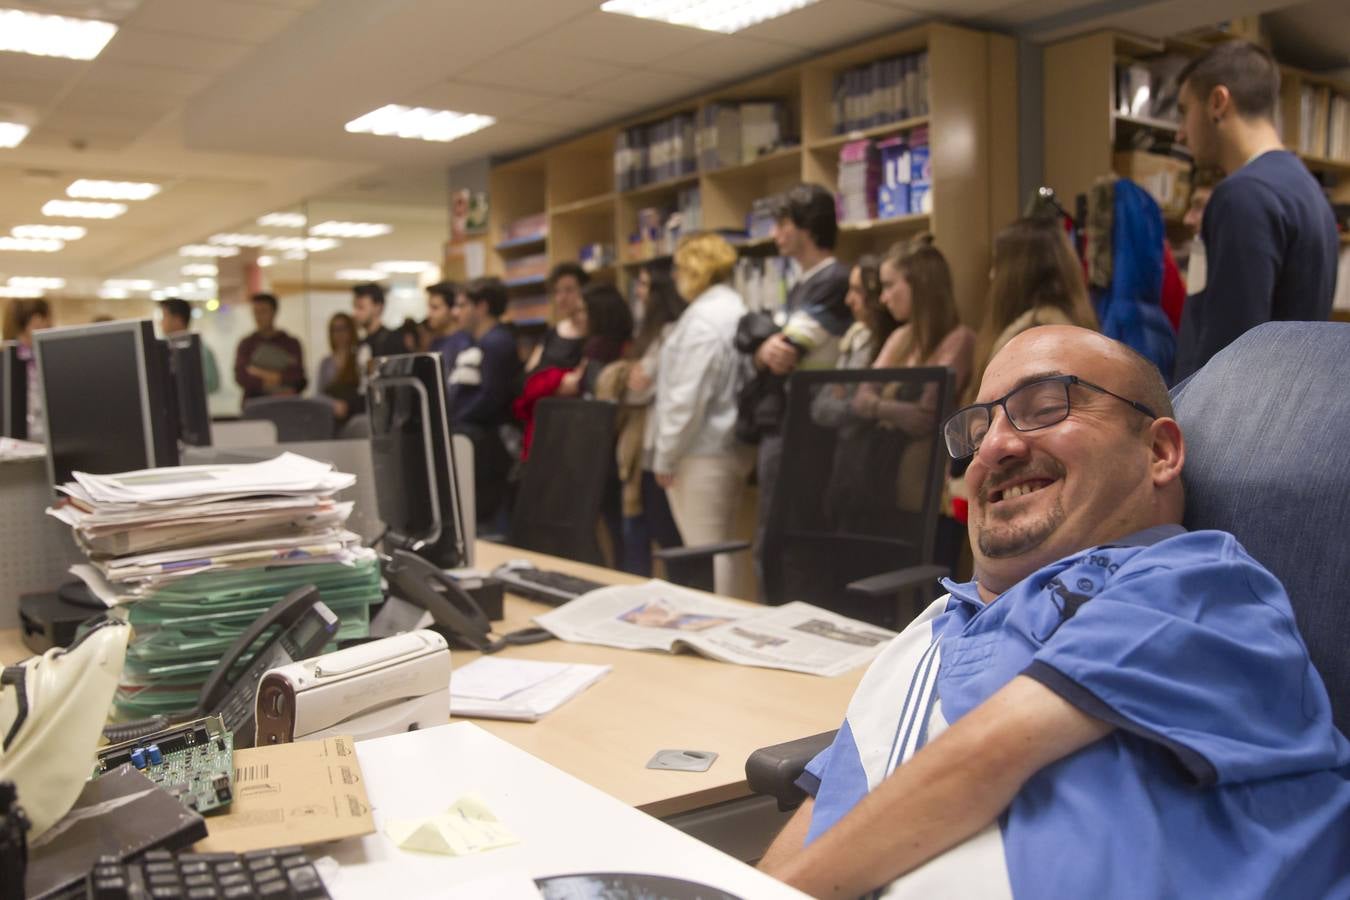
column 1225, row 776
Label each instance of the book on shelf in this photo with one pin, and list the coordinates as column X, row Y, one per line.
column 878, row 93
column 656, row 151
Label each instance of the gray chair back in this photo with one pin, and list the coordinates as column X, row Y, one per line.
column 296, row 418
column 1267, row 427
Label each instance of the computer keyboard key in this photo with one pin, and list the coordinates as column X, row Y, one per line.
column 298, row 859
column 232, row 879
column 110, row 888
column 155, row 856
column 265, row 861
column 207, row 892
column 273, row 889
column 305, row 881
column 271, row 873
column 198, row 880
column 229, row 866
column 236, row 892
column 167, row 892
column 191, row 868
column 160, row 868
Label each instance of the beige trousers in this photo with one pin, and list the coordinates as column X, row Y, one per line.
column 704, row 500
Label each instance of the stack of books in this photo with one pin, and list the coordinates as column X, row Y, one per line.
column 860, row 176
column 881, row 92
column 657, row 151
column 730, row 134
column 194, row 554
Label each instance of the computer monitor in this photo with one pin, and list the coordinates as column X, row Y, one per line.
column 108, row 399
column 189, row 377
column 13, row 393
column 416, row 487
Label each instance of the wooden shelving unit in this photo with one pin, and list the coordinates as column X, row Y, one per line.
column 1083, row 130
column 972, row 134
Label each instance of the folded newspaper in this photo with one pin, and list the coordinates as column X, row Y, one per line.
column 657, row 615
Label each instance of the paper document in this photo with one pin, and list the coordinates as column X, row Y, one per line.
column 288, row 473
column 522, row 690
column 797, row 637
column 468, row 826
column 13, row 448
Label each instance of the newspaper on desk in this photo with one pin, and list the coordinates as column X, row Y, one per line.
column 657, row 615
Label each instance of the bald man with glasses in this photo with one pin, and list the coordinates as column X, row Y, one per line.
column 1114, row 707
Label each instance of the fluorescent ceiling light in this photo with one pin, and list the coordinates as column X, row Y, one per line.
column 266, row 261
column 19, row 293
column 129, row 284
column 82, row 209
column 59, row 232
column 404, row 266
column 293, row 254
column 31, row 245
column 207, row 250
column 310, row 244
column 89, row 189
column 419, row 123
column 37, row 282
column 238, row 240
column 197, row 269
column 159, row 295
column 350, row 229
column 42, row 35
column 12, row 134
column 359, row 275
column 207, row 283
column 725, row 16
column 283, row 220
column 108, row 293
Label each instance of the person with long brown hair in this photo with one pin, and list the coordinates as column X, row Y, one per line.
column 1036, row 279
column 339, row 377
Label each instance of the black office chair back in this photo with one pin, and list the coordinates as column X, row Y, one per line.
column 563, row 483
column 855, row 497
column 296, row 418
column 1267, row 424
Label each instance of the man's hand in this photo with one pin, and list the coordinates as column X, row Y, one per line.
column 571, row 383
column 665, row 479
column 946, row 793
column 638, row 379
column 270, row 378
column 777, row 355
column 340, row 409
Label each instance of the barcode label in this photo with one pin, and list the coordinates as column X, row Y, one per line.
column 252, row 773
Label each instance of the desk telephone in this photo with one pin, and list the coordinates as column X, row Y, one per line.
column 455, row 615
column 305, row 626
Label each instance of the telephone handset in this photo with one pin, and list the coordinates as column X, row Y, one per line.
column 305, row 625
column 454, row 614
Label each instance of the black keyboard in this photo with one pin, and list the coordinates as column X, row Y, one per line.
column 553, row 588
column 281, row 874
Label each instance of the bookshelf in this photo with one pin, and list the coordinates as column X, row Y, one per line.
column 972, row 132
column 1083, row 130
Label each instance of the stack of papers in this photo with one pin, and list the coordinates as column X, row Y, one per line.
column 197, row 553
column 519, row 689
column 143, row 530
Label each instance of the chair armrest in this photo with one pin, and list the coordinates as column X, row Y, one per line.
column 703, row 551
column 888, row 583
column 774, row 770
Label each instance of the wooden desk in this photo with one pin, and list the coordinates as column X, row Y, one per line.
column 649, row 702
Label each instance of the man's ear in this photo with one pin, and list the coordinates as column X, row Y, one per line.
column 1167, row 451
column 1220, row 103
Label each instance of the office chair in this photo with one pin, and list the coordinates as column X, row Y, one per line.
column 562, row 484
column 296, row 418
column 354, row 429
column 852, row 524
column 1266, row 423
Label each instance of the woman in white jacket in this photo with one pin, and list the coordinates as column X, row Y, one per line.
column 696, row 456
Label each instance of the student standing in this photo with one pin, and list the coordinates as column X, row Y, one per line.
column 1269, row 233
column 175, row 317
column 368, row 311
column 269, row 362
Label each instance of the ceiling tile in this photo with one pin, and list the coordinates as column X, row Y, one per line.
column 731, row 57
column 476, row 98
column 644, row 87
column 149, row 79
column 539, row 67
column 106, row 10
column 623, row 39
column 35, row 94
column 576, row 112
column 22, row 67
column 194, row 54
column 93, row 98
column 829, row 23
column 234, row 20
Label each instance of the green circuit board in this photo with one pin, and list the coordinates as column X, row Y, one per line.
column 194, row 762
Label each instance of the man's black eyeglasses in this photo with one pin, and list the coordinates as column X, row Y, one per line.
column 1032, row 406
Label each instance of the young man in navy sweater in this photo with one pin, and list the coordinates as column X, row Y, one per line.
column 1269, row 233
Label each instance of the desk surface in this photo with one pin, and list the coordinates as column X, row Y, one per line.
column 649, row 702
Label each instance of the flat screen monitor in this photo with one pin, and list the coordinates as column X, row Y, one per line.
column 416, row 488
column 189, row 378
column 108, row 399
column 13, row 393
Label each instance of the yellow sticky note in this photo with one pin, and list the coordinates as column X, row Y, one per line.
column 468, row 826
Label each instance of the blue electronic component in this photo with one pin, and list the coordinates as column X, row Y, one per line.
column 155, row 756
column 138, row 758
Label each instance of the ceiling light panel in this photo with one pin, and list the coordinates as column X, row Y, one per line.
column 19, row 293
column 359, row 275
column 12, row 134
column 30, row 245
column 108, row 293
column 299, row 244
column 206, row 250
column 404, row 266
column 129, row 284
column 43, row 35
column 350, row 229
column 82, row 209
column 724, row 16
column 266, row 261
column 37, row 282
column 419, row 123
column 238, row 240
column 283, row 220
column 90, row 189
column 197, row 270
column 59, row 232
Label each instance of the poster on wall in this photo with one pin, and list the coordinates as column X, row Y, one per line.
column 468, row 214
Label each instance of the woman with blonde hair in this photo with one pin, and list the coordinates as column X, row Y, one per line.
column 695, row 454
column 1036, row 279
